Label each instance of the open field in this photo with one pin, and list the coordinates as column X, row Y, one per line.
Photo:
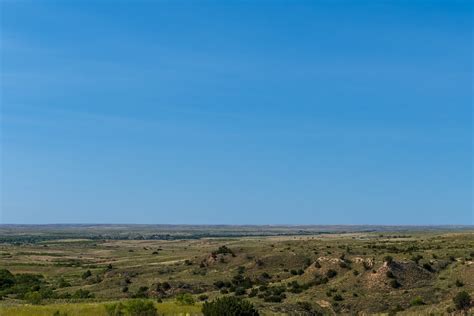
column 281, row 270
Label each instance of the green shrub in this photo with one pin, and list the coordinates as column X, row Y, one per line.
column 86, row 274
column 141, row 293
column 33, row 297
column 417, row 258
column 331, row 273
column 428, row 267
column 240, row 291
column 459, row 283
column 114, row 309
column 203, row 297
column 185, row 299
column 229, row 306
column 63, row 283
column 223, row 250
column 417, row 301
column 140, row 308
column 6, row 279
column 25, row 283
column 253, row 293
column 338, row 297
column 395, row 284
column 309, row 309
column 131, row 308
column 462, row 300
column 82, row 294
column 388, row 259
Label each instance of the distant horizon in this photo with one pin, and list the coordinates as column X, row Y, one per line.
column 237, row 112
column 248, row 225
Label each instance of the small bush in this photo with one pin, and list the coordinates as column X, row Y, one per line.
column 428, row 267
column 140, row 308
column 388, row 259
column 141, row 293
column 417, row 258
column 462, row 300
column 114, row 309
column 223, row 250
column 344, row 265
column 338, row 297
column 34, row 298
column 185, row 299
column 6, row 279
column 331, row 273
column 203, row 297
column 240, row 291
column 82, row 294
column 86, row 274
column 459, row 283
column 395, row 284
column 417, row 301
column 229, row 306
column 253, row 293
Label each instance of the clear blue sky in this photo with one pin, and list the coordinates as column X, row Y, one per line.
column 237, row 112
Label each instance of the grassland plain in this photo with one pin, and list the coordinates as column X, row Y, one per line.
column 296, row 271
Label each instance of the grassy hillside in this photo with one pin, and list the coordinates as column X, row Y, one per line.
column 405, row 272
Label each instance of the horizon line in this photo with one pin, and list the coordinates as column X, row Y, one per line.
column 293, row 225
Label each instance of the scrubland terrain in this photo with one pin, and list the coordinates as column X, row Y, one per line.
column 296, row 271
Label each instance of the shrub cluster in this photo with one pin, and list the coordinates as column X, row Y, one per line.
column 136, row 307
column 229, row 306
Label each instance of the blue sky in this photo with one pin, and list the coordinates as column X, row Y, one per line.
column 237, row 112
